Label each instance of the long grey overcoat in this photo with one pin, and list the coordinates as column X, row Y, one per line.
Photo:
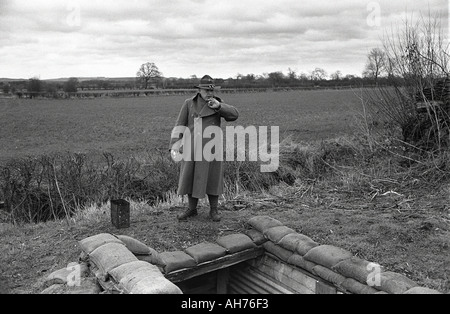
column 202, row 177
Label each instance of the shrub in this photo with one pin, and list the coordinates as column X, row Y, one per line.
column 56, row 186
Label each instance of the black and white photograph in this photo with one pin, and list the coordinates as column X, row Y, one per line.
column 224, row 152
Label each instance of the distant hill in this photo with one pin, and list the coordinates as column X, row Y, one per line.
column 81, row 79
column 11, row 80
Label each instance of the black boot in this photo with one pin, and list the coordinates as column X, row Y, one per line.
column 213, row 204
column 192, row 211
column 188, row 213
column 214, row 215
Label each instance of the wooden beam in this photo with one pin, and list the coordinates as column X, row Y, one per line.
column 285, row 274
column 309, row 284
column 266, row 282
column 223, row 278
column 215, row 265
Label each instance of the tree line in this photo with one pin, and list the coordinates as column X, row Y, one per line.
column 150, row 77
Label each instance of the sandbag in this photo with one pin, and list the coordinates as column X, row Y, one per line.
column 257, row 237
column 328, row 275
column 124, row 270
column 205, row 252
column 135, row 246
column 262, row 223
column 298, row 243
column 152, row 258
column 90, row 244
column 421, row 290
column 327, row 255
column 234, row 243
column 358, row 269
column 298, row 261
column 275, row 234
column 290, row 241
column 395, row 283
column 86, row 286
column 131, row 279
column 109, row 256
column 155, row 285
column 278, row 251
column 55, row 289
column 177, row 260
column 356, row 287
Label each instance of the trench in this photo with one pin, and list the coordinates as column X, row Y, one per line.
column 250, row 274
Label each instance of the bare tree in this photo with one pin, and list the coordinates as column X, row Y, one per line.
column 417, row 56
column 419, row 52
column 336, row 76
column 292, row 75
column 147, row 72
column 318, row 74
column 376, row 64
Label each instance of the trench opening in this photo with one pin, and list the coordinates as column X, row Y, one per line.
column 247, row 274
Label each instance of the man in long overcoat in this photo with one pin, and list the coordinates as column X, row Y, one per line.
column 199, row 175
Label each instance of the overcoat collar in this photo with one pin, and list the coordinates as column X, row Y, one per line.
column 203, row 111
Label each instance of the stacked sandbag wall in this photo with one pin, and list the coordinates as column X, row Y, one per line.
column 118, row 264
column 283, row 261
column 306, row 266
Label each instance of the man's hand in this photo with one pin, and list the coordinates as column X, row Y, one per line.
column 214, row 104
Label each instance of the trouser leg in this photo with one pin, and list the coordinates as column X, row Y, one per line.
column 193, row 202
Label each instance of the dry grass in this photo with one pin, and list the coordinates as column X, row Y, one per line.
column 406, row 235
column 374, row 198
column 385, row 216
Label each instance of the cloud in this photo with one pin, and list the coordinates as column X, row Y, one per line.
column 184, row 37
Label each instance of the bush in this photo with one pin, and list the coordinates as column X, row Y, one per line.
column 56, row 186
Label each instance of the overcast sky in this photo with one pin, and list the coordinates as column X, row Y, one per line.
column 64, row 38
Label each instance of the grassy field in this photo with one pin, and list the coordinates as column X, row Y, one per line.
column 132, row 125
column 345, row 194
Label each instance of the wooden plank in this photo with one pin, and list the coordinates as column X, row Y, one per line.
column 286, row 274
column 322, row 288
column 299, row 288
column 291, row 272
column 223, row 278
column 218, row 264
column 235, row 289
column 241, row 284
column 273, row 286
column 269, row 259
column 253, row 283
